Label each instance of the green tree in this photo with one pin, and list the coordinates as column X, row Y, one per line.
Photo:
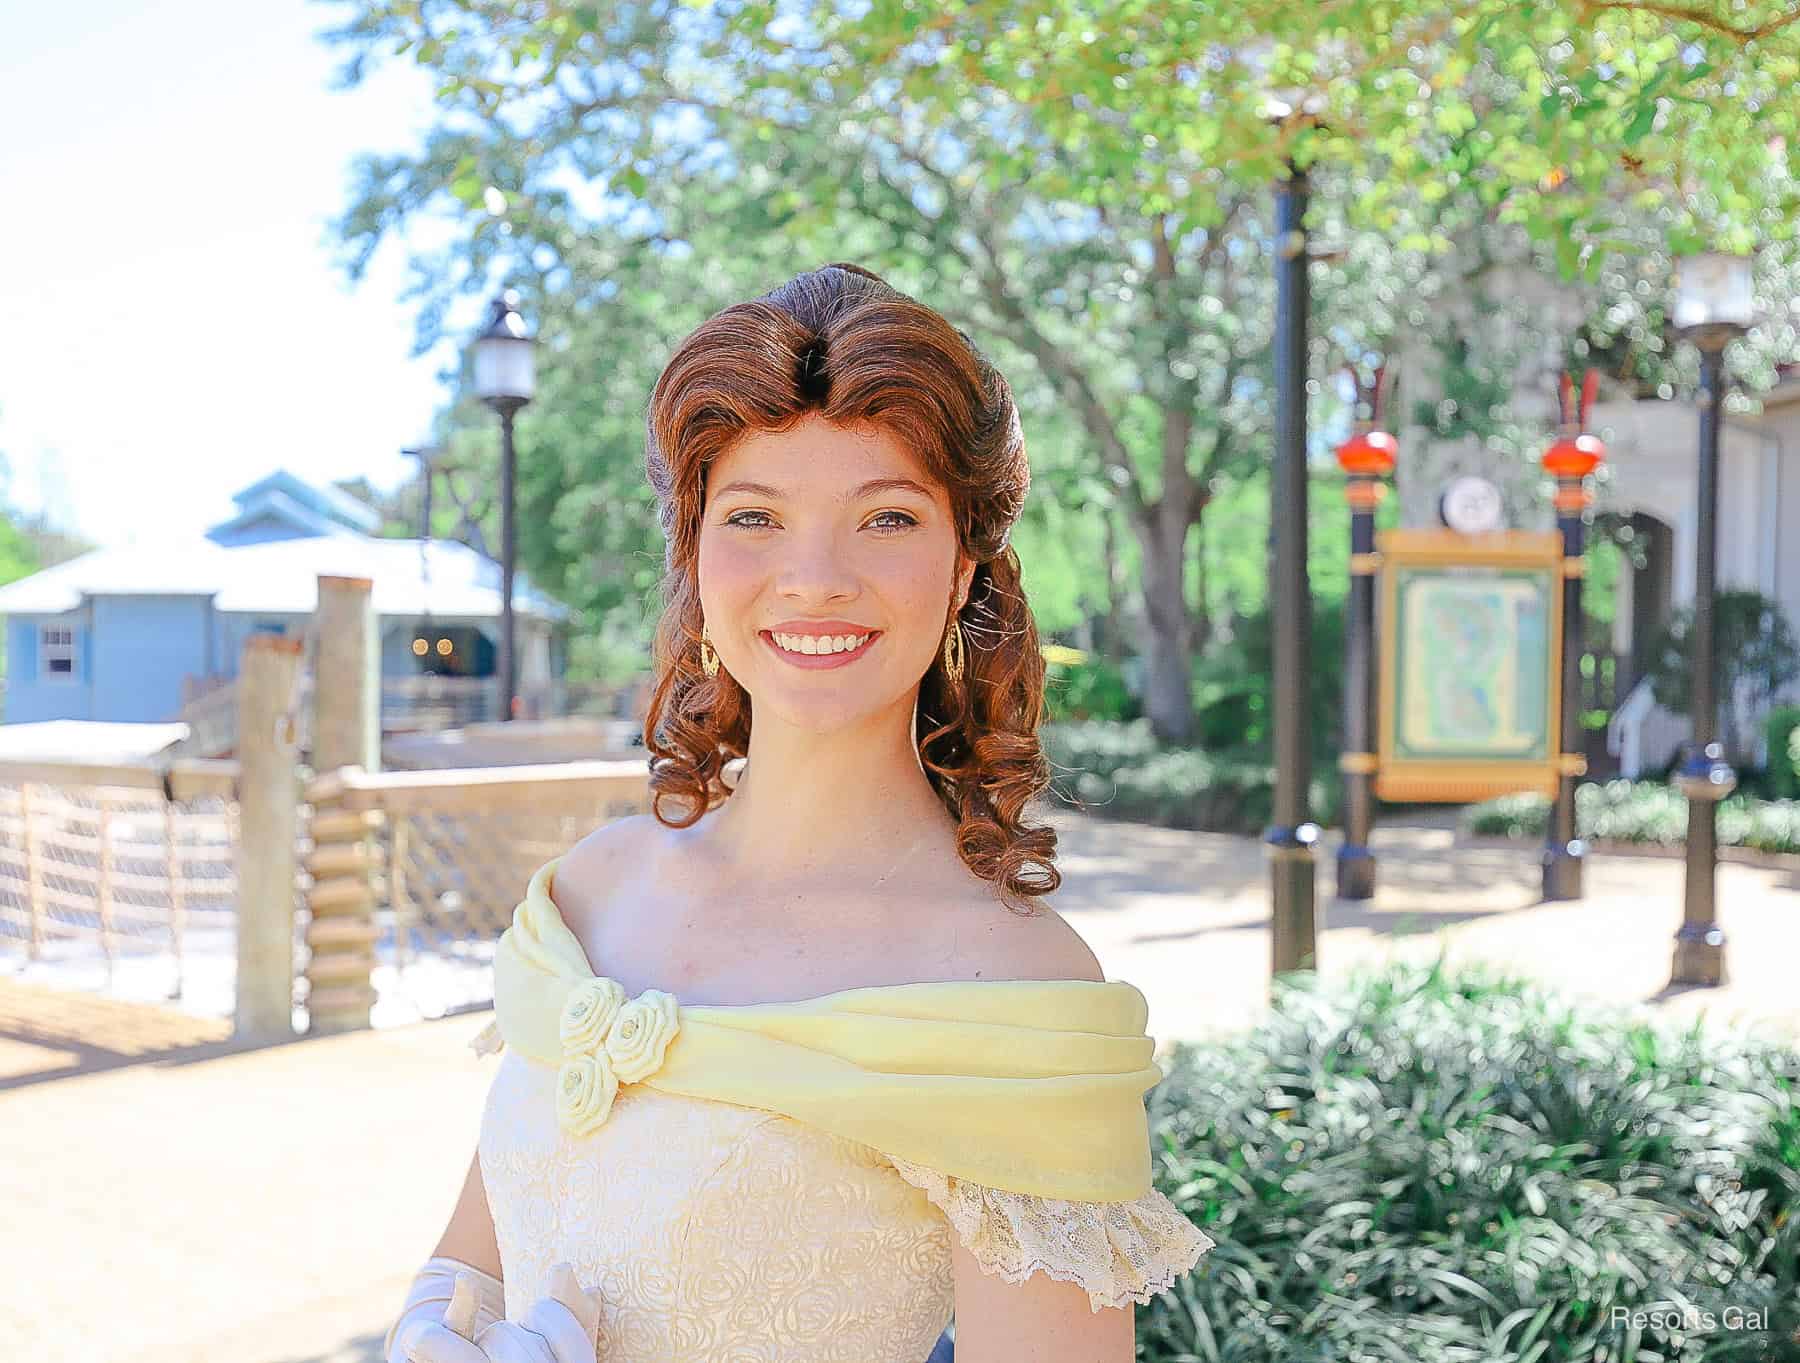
column 1756, row 652
column 18, row 555
column 1140, row 361
column 1083, row 190
column 1547, row 109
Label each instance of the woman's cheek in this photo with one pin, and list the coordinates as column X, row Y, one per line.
column 725, row 567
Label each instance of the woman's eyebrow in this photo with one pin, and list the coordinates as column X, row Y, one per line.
column 873, row 485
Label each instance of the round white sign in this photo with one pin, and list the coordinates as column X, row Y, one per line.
column 1471, row 505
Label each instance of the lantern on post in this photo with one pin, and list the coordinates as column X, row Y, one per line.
column 1291, row 112
column 505, row 380
column 1367, row 457
column 1570, row 458
column 1715, row 302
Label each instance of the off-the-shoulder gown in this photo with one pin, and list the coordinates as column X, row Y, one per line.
column 717, row 1231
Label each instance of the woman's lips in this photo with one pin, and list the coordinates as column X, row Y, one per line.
column 819, row 661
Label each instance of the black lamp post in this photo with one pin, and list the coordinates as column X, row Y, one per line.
column 1367, row 457
column 1292, row 836
column 504, row 380
column 425, row 454
column 1570, row 458
column 1713, row 304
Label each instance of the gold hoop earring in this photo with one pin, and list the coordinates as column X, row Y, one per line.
column 953, row 651
column 709, row 660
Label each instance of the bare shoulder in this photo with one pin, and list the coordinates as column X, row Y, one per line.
column 602, row 858
column 994, row 943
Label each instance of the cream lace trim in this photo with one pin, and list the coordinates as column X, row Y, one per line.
column 488, row 1039
column 1118, row 1251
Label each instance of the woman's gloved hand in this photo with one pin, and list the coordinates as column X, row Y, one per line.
column 447, row 1306
column 563, row 1327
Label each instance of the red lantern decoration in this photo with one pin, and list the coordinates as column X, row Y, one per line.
column 1370, row 452
column 1574, row 453
column 1574, row 456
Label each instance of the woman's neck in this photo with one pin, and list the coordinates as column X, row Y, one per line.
column 774, row 828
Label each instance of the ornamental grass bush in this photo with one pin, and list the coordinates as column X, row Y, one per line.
column 1642, row 812
column 1431, row 1167
column 1120, row 771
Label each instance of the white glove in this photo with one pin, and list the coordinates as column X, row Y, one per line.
column 563, row 1327
column 447, row 1306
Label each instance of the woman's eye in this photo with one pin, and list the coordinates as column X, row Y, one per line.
column 895, row 520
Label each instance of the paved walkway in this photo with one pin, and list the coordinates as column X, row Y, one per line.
column 173, row 1197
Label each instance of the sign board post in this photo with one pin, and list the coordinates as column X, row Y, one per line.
column 1471, row 664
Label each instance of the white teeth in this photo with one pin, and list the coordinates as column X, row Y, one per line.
column 815, row 644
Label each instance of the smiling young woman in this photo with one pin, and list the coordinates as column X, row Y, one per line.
column 878, row 460
column 803, row 1062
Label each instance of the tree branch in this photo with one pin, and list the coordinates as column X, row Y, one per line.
column 1053, row 359
column 1698, row 17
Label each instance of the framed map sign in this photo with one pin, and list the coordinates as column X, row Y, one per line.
column 1471, row 664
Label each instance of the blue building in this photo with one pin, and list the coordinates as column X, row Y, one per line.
column 132, row 634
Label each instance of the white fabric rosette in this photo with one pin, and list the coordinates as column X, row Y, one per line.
column 608, row 1039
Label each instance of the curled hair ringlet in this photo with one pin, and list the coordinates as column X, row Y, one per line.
column 841, row 342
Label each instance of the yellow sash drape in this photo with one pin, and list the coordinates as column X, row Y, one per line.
column 1035, row 1086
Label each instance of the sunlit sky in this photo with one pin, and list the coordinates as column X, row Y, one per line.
column 174, row 326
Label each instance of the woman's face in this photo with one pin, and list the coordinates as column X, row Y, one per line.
column 826, row 532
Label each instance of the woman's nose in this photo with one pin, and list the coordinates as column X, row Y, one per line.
column 816, row 565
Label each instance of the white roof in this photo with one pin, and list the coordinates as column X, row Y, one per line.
column 79, row 740
column 411, row 577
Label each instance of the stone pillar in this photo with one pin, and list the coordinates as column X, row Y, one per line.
column 268, row 823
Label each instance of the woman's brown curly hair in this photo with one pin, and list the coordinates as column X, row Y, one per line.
column 841, row 342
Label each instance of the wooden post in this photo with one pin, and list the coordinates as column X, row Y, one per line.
column 346, row 677
column 399, row 906
column 107, row 945
column 268, row 816
column 173, row 867
column 34, row 876
column 341, row 934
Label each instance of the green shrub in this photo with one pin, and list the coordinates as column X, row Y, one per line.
column 1755, row 650
column 1120, row 771
column 1642, row 812
column 1234, row 682
column 1090, row 689
column 1427, row 1167
column 1782, row 728
column 1098, row 746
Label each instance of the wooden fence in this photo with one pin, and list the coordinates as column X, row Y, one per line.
column 411, row 705
column 101, row 862
column 325, row 889
column 407, row 879
column 413, row 875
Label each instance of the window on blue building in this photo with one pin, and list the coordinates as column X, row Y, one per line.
column 56, row 651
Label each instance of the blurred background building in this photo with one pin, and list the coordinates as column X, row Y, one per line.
column 147, row 634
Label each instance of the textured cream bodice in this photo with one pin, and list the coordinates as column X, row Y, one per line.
column 716, row 1232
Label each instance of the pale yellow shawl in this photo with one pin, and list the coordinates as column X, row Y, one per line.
column 1036, row 1086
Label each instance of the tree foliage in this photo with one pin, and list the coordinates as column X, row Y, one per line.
column 1081, row 188
column 1754, row 646
column 1547, row 109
